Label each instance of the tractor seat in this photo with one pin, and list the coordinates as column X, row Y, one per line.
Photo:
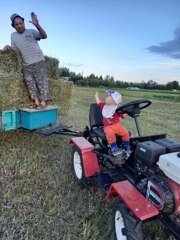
column 100, row 132
column 96, row 121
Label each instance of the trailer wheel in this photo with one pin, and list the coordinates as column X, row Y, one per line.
column 126, row 225
column 78, row 169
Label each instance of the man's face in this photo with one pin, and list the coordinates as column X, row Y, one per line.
column 19, row 25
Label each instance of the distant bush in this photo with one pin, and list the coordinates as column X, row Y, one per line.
column 83, row 83
column 94, row 82
column 166, row 97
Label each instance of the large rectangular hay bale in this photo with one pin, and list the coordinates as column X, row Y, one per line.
column 54, row 89
column 60, row 90
column 10, row 62
column 10, row 90
column 63, row 107
column 61, row 94
column 65, row 89
column 52, row 67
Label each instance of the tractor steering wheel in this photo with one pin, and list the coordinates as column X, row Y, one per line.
column 134, row 108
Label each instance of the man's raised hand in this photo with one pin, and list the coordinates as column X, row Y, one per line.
column 34, row 19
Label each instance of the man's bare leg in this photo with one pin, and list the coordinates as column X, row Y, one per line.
column 36, row 101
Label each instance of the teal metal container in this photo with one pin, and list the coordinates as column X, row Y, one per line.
column 33, row 119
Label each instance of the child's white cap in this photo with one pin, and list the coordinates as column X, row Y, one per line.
column 115, row 95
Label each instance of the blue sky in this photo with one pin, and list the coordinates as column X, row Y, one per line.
column 132, row 40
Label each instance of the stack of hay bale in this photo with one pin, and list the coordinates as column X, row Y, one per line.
column 13, row 92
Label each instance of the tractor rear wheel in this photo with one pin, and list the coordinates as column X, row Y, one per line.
column 126, row 225
column 78, row 168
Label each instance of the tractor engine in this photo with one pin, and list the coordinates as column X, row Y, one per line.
column 160, row 194
column 164, row 193
column 159, row 162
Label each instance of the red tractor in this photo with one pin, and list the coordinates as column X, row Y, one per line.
column 147, row 185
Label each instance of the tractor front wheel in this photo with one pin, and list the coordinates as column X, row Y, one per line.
column 78, row 168
column 126, row 225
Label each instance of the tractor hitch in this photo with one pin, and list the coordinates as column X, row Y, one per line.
column 59, row 129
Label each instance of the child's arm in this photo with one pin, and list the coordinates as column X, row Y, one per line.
column 124, row 115
column 97, row 98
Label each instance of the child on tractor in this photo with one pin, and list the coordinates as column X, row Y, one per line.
column 111, row 121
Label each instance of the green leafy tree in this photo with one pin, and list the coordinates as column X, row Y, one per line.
column 151, row 84
column 92, row 76
column 64, row 72
column 101, row 78
column 94, row 82
column 76, row 78
column 172, row 85
column 105, row 83
column 84, row 82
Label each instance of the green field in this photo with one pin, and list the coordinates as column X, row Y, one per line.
column 40, row 199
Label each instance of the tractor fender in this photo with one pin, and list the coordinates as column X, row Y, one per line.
column 89, row 158
column 134, row 200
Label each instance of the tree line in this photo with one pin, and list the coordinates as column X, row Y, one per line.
column 98, row 81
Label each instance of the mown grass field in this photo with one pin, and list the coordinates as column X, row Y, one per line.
column 39, row 197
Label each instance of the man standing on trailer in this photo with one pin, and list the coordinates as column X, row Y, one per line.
column 34, row 67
